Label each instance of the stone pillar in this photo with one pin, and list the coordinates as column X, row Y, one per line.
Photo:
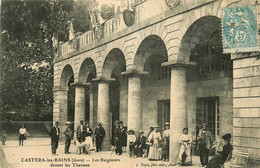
column 178, row 109
column 80, row 106
column 134, row 103
column 91, row 110
column 103, row 112
column 134, row 114
column 60, row 107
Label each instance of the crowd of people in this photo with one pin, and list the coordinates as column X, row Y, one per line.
column 154, row 146
column 83, row 135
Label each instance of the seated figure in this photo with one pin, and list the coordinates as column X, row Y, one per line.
column 218, row 160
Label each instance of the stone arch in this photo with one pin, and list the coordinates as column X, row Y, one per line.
column 114, row 61
column 87, row 70
column 66, row 75
column 152, row 45
column 200, row 30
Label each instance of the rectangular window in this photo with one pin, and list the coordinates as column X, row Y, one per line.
column 165, row 73
column 208, row 112
column 163, row 108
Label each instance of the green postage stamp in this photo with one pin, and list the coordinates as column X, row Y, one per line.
column 239, row 29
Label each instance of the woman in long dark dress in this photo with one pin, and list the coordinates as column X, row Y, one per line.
column 218, row 160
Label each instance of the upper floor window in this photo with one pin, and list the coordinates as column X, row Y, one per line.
column 165, row 73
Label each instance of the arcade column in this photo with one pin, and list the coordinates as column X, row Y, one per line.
column 60, row 106
column 80, row 103
column 134, row 119
column 91, row 107
column 178, row 103
column 103, row 112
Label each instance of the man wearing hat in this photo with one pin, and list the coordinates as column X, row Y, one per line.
column 205, row 140
column 89, row 133
column 123, row 132
column 140, row 144
column 99, row 135
column 55, row 134
column 118, row 140
column 68, row 137
column 81, row 134
column 116, row 125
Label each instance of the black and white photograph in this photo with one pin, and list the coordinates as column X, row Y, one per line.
column 129, row 83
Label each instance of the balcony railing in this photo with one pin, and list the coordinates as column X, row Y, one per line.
column 144, row 9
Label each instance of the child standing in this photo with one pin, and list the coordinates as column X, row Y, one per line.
column 131, row 141
column 165, row 149
column 3, row 137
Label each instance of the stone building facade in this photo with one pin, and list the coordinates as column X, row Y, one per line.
column 167, row 66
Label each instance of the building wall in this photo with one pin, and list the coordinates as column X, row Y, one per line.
column 218, row 87
column 246, row 104
column 171, row 27
column 151, row 93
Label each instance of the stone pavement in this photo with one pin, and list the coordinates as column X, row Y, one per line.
column 36, row 153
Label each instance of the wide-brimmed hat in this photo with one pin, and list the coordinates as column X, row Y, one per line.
column 129, row 131
column 226, row 136
column 156, row 126
column 140, row 131
column 68, row 123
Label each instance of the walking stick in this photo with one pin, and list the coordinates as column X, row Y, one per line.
column 113, row 150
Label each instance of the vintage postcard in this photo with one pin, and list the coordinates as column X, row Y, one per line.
column 129, row 83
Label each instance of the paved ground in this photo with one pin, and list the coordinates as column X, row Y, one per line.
column 36, row 153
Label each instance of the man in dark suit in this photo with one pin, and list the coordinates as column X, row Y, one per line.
column 81, row 134
column 99, row 135
column 140, row 144
column 123, row 134
column 55, row 134
column 118, row 140
column 68, row 137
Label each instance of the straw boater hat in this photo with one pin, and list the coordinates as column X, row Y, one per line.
column 141, row 131
column 68, row 123
column 156, row 126
column 167, row 123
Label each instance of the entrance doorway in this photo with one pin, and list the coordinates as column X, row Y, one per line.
column 163, row 113
column 208, row 112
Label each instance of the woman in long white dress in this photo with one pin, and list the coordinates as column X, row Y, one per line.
column 154, row 139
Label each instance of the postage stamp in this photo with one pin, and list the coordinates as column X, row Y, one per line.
column 239, row 29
